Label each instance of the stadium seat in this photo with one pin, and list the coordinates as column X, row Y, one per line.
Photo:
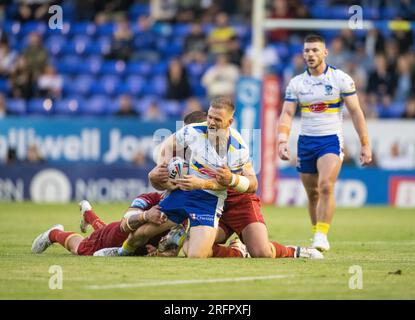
column 69, row 106
column 144, row 103
column 139, row 68
column 157, row 86
column 107, row 84
column 170, row 107
column 181, row 29
column 33, row 26
column 82, row 84
column 83, row 28
column 4, row 85
column 40, row 106
column 113, row 67
column 16, row 106
column 139, row 9
column 96, row 105
column 135, row 84
column 55, row 43
column 106, row 29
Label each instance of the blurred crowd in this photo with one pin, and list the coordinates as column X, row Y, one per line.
column 207, row 61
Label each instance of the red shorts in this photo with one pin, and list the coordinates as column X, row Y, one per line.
column 111, row 236
column 106, row 237
column 240, row 210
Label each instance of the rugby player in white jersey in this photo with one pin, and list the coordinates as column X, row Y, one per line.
column 198, row 196
column 320, row 92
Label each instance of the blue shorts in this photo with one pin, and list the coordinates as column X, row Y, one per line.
column 201, row 207
column 311, row 148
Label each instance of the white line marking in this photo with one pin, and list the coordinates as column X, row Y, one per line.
column 180, row 282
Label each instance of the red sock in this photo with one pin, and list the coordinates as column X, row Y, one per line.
column 225, row 252
column 59, row 236
column 94, row 220
column 283, row 251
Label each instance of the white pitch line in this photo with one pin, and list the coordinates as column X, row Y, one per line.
column 181, row 282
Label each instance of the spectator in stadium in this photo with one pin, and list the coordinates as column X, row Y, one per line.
column 391, row 55
column 126, row 107
column 29, row 10
column 145, row 41
column 35, row 55
column 410, row 109
column 235, row 52
column 381, row 83
column 7, row 59
column 339, row 55
column 3, row 107
column 221, row 35
column 11, row 157
column 192, row 105
column 195, row 44
column 280, row 10
column 374, row 43
column 404, row 85
column 396, row 160
column 154, row 113
column 122, row 42
column 33, row 155
column 269, row 56
column 50, row 83
column 21, row 79
column 220, row 79
column 163, row 10
column 178, row 86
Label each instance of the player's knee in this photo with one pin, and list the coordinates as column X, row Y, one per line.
column 326, row 187
column 312, row 194
column 197, row 254
column 260, row 252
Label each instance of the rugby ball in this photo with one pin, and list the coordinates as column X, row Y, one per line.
column 177, row 168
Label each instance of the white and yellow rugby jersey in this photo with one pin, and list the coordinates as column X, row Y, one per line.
column 320, row 100
column 204, row 159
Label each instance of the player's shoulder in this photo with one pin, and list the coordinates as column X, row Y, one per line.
column 199, row 127
column 338, row 73
column 298, row 78
column 236, row 140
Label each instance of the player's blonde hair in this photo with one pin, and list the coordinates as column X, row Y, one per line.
column 223, row 103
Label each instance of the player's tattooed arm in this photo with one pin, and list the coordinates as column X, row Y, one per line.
column 168, row 149
column 245, row 182
column 190, row 182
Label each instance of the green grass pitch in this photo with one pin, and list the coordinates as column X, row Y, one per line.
column 379, row 240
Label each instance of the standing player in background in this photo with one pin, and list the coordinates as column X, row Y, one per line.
column 321, row 91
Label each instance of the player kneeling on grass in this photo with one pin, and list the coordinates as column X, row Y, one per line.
column 144, row 209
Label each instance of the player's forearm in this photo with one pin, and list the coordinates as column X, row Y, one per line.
column 213, row 185
column 359, row 124
column 285, row 122
column 243, row 184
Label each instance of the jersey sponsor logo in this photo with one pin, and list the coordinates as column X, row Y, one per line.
column 318, row 107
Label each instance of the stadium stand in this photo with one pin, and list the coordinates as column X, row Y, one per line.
column 92, row 79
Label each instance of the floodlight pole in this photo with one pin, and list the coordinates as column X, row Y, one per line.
column 258, row 17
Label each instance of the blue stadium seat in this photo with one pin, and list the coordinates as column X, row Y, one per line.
column 96, row 105
column 83, row 28
column 70, row 64
column 157, row 86
column 135, row 84
column 160, row 68
column 4, row 85
column 16, row 106
column 144, row 103
column 139, row 68
column 82, row 84
column 197, row 89
column 30, row 26
column 102, row 45
column 170, row 107
column 55, row 43
column 107, row 84
column 106, row 29
column 69, row 106
column 139, row 9
column 40, row 106
column 12, row 27
column 195, row 69
column 181, row 29
column 113, row 67
column 92, row 64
